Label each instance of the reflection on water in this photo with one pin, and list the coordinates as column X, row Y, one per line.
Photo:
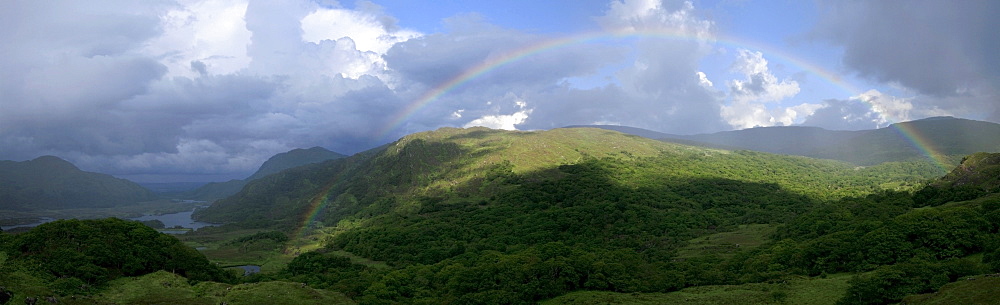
column 172, row 220
column 249, row 269
column 29, row 225
column 182, row 219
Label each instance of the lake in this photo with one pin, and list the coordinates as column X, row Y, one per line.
column 249, row 269
column 182, row 219
column 29, row 225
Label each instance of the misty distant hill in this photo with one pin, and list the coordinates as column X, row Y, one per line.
column 898, row 142
column 52, row 183
column 277, row 163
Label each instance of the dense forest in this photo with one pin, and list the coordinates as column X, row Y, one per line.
column 478, row 216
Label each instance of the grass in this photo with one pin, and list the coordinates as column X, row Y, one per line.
column 980, row 289
column 816, row 290
column 215, row 245
column 727, row 243
column 167, row 288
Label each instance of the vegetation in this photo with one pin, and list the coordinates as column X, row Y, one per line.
column 583, row 216
column 52, row 183
column 950, row 138
column 546, row 213
column 88, row 253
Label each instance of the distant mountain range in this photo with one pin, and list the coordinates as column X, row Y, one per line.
column 948, row 137
column 275, row 164
column 49, row 182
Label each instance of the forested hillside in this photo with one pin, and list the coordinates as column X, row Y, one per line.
column 472, row 163
column 546, row 213
column 49, row 182
column 113, row 261
column 567, row 216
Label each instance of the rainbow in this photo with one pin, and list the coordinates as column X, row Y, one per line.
column 321, row 200
column 494, row 62
column 315, row 207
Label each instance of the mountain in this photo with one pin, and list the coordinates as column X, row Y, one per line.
column 789, row 140
column 645, row 133
column 545, row 212
column 290, row 159
column 450, row 161
column 582, row 215
column 294, row 158
column 49, row 182
column 944, row 136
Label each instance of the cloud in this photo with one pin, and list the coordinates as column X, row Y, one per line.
column 868, row 110
column 760, row 85
column 749, row 95
column 214, row 87
column 503, row 121
column 942, row 50
column 199, row 87
column 370, row 32
column 202, row 37
column 664, row 93
column 646, row 90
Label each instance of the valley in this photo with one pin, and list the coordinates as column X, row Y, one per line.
column 570, row 216
column 379, row 152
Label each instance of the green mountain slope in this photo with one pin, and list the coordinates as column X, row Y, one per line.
column 456, row 161
column 601, row 209
column 290, row 159
column 52, row 183
column 479, row 216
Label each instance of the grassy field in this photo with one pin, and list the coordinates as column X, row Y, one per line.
column 168, row 288
column 727, row 243
column 217, row 246
column 816, row 291
column 980, row 289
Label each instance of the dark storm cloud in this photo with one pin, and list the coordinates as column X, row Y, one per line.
column 939, row 48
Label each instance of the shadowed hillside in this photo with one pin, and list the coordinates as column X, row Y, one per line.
column 52, row 183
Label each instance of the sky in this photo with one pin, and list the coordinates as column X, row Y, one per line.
column 206, row 90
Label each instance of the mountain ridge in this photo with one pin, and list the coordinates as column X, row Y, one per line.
column 947, row 136
column 50, row 182
column 274, row 164
column 452, row 160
